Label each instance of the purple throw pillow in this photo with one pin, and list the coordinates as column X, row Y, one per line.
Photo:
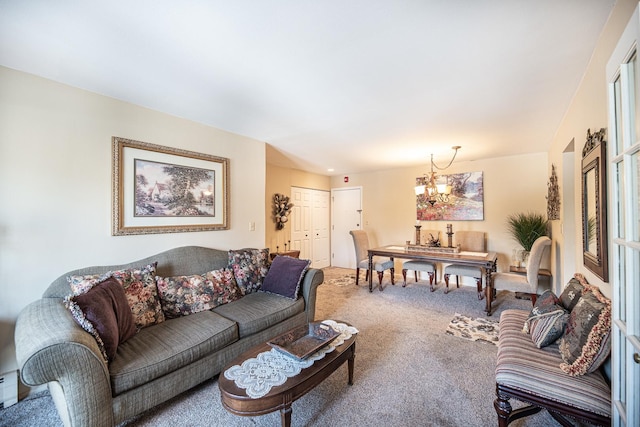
column 285, row 275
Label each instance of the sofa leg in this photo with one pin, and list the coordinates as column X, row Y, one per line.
column 505, row 412
column 503, row 409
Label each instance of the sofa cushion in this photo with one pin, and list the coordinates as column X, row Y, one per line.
column 183, row 295
column 104, row 312
column 285, row 275
column 260, row 310
column 586, row 343
column 250, row 266
column 139, row 286
column 160, row 349
column 523, row 366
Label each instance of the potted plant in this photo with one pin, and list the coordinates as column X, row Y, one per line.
column 525, row 228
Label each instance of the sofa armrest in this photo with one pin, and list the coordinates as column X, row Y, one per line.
column 312, row 279
column 52, row 347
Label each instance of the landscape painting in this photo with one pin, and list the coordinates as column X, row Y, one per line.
column 163, row 189
column 465, row 203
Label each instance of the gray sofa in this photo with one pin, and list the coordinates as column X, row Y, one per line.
column 160, row 361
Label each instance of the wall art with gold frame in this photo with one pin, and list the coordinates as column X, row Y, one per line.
column 157, row 189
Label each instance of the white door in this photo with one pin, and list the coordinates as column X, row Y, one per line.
column 346, row 215
column 321, row 247
column 301, row 221
column 624, row 224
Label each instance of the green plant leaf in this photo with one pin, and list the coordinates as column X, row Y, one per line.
column 525, row 228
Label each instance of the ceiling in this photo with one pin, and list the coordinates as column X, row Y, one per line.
column 356, row 86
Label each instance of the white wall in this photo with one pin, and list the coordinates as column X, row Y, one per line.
column 55, row 185
column 511, row 185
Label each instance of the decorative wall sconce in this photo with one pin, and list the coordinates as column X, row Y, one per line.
column 281, row 210
column 432, row 190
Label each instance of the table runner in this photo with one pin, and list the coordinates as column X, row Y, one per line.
column 272, row 368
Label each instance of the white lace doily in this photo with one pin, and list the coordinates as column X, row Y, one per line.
column 272, row 368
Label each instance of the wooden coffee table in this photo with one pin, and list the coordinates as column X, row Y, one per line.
column 236, row 401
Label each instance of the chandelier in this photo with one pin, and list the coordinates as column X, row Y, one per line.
column 432, row 190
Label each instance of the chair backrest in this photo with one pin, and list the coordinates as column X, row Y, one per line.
column 535, row 259
column 472, row 241
column 425, row 235
column 361, row 244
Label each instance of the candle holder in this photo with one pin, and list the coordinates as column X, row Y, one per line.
column 418, row 227
column 450, row 235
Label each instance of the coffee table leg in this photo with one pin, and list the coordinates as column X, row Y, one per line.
column 285, row 415
column 351, row 362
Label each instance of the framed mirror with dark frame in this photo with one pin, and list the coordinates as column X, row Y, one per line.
column 594, row 204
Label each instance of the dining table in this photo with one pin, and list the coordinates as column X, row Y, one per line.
column 487, row 261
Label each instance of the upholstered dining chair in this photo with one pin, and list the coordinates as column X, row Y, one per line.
column 418, row 265
column 528, row 284
column 380, row 264
column 472, row 241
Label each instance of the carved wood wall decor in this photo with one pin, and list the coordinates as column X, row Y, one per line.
column 281, row 210
column 553, row 196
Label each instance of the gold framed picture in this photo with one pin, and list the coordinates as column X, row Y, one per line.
column 159, row 189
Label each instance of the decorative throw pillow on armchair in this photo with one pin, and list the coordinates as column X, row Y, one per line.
column 546, row 321
column 586, row 343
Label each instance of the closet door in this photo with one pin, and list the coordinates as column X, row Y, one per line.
column 320, row 220
column 301, row 230
column 310, row 225
column 624, row 169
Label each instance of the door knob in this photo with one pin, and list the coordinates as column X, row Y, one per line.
column 636, row 357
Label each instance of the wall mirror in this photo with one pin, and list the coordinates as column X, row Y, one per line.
column 594, row 204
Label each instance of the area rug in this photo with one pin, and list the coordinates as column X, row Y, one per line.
column 343, row 281
column 474, row 329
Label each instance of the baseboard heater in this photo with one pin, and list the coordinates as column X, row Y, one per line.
column 8, row 389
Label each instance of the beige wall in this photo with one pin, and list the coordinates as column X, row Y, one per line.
column 280, row 180
column 55, row 183
column 588, row 109
column 511, row 184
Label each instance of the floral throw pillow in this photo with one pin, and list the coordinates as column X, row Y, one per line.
column 183, row 295
column 586, row 342
column 250, row 267
column 139, row 287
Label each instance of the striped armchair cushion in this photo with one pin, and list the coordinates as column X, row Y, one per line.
column 536, row 371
